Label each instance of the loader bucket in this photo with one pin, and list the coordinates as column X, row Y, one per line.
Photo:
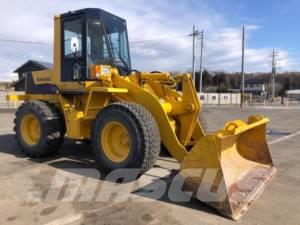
column 230, row 168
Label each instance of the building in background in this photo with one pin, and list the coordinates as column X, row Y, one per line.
column 29, row 66
column 293, row 94
column 255, row 87
column 220, row 98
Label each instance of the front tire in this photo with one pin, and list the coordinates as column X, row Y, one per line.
column 125, row 135
column 39, row 129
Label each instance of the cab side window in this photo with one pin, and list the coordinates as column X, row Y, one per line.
column 72, row 29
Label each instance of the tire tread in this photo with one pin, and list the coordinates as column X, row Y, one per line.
column 52, row 122
column 147, row 127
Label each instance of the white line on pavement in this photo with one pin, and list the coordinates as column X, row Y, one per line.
column 66, row 219
column 6, row 130
column 284, row 138
column 76, row 216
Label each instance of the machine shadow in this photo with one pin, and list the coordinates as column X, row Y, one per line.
column 155, row 185
column 8, row 146
column 71, row 154
column 72, row 157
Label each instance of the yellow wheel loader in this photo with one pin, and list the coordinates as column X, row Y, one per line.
column 91, row 93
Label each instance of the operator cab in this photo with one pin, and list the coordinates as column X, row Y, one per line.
column 92, row 39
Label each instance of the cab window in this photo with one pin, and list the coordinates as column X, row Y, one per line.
column 72, row 29
column 97, row 51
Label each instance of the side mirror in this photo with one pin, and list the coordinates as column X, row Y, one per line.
column 74, row 44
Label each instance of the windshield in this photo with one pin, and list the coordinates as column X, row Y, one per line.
column 96, row 47
column 117, row 35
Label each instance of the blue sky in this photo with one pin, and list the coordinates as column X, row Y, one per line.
column 269, row 24
column 278, row 20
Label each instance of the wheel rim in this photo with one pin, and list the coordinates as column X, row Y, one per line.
column 115, row 142
column 31, row 129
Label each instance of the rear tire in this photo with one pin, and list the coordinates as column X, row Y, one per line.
column 141, row 147
column 39, row 129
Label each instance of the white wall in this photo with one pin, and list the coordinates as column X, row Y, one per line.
column 220, row 98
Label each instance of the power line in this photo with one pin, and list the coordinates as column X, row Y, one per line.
column 158, row 39
column 22, row 41
column 131, row 42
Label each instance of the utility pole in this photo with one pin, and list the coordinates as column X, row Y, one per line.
column 194, row 35
column 201, row 60
column 273, row 75
column 243, row 68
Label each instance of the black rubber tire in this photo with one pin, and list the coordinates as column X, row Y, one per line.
column 52, row 128
column 143, row 133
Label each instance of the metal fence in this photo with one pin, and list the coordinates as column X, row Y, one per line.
column 292, row 100
column 205, row 98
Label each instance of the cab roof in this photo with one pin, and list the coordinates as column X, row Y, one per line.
column 89, row 12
